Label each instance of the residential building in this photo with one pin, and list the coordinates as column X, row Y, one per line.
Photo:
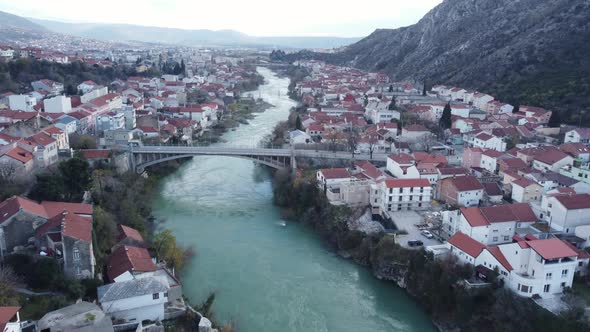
column 22, row 103
column 525, row 191
column 127, row 261
column 400, row 194
column 135, row 300
column 552, row 160
column 75, row 318
column 332, row 177
column 578, row 135
column 403, row 166
column 10, row 319
column 528, row 268
column 460, row 191
column 566, row 212
column 487, row 141
column 58, row 104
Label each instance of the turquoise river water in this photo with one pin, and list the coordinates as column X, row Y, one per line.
column 269, row 276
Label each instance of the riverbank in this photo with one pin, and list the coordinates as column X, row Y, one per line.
column 436, row 285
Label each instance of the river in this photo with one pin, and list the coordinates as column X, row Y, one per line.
column 269, row 276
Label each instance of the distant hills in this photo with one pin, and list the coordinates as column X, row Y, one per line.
column 202, row 37
column 15, row 27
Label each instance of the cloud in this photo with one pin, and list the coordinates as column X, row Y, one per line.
column 254, row 17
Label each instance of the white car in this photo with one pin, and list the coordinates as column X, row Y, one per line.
column 427, row 234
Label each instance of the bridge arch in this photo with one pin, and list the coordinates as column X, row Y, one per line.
column 140, row 168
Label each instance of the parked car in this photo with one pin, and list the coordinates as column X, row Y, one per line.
column 427, row 234
column 415, row 243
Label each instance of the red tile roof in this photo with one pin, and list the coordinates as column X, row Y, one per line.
column 132, row 259
column 335, row 173
column 499, row 256
column 369, row 169
column 465, row 183
column 96, row 154
column 519, row 212
column 551, row 157
column 70, row 225
column 14, row 204
column 402, row 158
column 466, row 244
column 54, row 208
column 20, row 154
column 552, row 248
column 41, row 139
column 523, row 182
column 128, row 232
column 6, row 314
column 574, row 202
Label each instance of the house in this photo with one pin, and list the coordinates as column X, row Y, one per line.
column 525, row 191
column 487, row 141
column 471, row 157
column 527, row 267
column 403, row 166
column 23, row 103
column 68, row 236
column 552, row 160
column 10, row 319
column 489, row 160
column 19, row 218
column 299, row 137
column 86, row 86
column 61, row 137
column 491, row 225
column 332, row 177
column 492, row 193
column 127, row 261
column 577, row 150
column 128, row 236
column 96, row 157
column 400, row 194
column 16, row 162
column 51, row 87
column 43, row 147
column 135, row 300
column 566, row 212
column 578, row 135
column 75, row 318
column 414, row 133
column 460, row 191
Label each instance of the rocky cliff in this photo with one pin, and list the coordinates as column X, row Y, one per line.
column 523, row 51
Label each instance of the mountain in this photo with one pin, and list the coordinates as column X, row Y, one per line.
column 15, row 27
column 127, row 32
column 523, row 51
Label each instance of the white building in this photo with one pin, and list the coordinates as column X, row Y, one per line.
column 402, row 166
column 135, row 300
column 400, row 194
column 332, row 177
column 566, row 212
column 21, row 102
column 528, row 268
column 299, row 137
column 579, row 135
column 487, row 141
column 489, row 225
column 58, row 104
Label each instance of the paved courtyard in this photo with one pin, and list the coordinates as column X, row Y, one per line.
column 408, row 221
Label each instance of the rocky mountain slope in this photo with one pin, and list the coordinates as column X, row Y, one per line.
column 524, row 51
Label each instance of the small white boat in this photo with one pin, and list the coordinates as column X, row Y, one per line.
column 282, row 223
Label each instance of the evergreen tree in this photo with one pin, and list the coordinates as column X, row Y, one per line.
column 177, row 69
column 555, row 120
column 516, row 108
column 298, row 123
column 182, row 67
column 390, row 88
column 392, row 104
column 446, row 121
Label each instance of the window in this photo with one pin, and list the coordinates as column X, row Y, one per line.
column 495, row 239
column 548, row 276
column 156, row 296
column 546, row 288
column 165, row 294
column 506, row 238
column 564, row 273
column 524, row 289
column 563, row 284
column 76, row 254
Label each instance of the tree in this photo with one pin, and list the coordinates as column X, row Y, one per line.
column 105, row 230
column 392, row 104
column 168, row 250
column 48, row 187
column 182, row 67
column 76, row 178
column 555, row 120
column 82, row 142
column 332, row 136
column 516, row 108
column 71, row 90
column 352, row 139
column 445, row 121
column 390, row 88
column 373, row 140
column 298, row 123
column 177, row 70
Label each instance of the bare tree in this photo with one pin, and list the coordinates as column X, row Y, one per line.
column 8, row 171
column 332, row 137
column 352, row 139
column 373, row 141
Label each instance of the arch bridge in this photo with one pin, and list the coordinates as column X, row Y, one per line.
column 278, row 158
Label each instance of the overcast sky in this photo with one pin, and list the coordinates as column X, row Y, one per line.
column 254, row 17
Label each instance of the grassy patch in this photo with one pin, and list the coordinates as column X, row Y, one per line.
column 34, row 307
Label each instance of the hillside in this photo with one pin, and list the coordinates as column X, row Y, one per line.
column 127, row 32
column 522, row 51
column 13, row 27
